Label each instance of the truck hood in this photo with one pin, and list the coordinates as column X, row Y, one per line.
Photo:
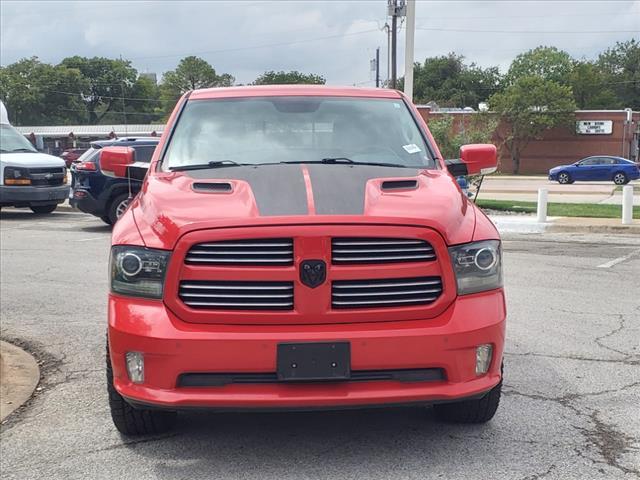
column 26, row 159
column 172, row 204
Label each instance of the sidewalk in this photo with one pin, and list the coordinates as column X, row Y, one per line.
column 19, row 376
column 526, row 189
column 529, row 224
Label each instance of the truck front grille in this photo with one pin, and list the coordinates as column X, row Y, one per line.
column 235, row 295
column 352, row 250
column 251, row 252
column 47, row 177
column 389, row 292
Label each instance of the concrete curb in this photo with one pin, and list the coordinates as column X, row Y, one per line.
column 19, row 377
column 623, row 229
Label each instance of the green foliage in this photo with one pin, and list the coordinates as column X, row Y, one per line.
column 474, row 128
column 547, row 63
column 558, row 209
column 288, row 78
column 621, row 67
column 450, row 82
column 190, row 74
column 590, row 86
column 107, row 81
column 35, row 93
column 529, row 107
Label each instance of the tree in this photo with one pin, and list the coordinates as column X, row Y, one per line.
column 621, row 67
column 591, row 89
column 472, row 128
column 108, row 81
column 288, row 78
column 528, row 108
column 190, row 74
column 547, row 63
column 450, row 82
column 37, row 93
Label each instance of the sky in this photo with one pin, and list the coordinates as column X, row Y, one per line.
column 334, row 38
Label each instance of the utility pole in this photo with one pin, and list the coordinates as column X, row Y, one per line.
column 408, row 51
column 396, row 8
column 394, row 26
column 378, row 67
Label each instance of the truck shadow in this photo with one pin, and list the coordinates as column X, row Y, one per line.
column 340, row 444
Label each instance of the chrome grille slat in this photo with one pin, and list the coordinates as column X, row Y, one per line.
column 345, row 251
column 375, row 294
column 237, row 295
column 389, row 284
column 246, row 252
column 387, row 292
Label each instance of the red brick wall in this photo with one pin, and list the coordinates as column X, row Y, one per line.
column 560, row 146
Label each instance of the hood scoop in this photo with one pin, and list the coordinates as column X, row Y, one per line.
column 212, row 187
column 398, row 185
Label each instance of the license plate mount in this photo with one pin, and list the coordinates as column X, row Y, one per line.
column 310, row 362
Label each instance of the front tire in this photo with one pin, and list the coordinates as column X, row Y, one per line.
column 564, row 178
column 117, row 207
column 620, row 178
column 479, row 410
column 41, row 209
column 132, row 421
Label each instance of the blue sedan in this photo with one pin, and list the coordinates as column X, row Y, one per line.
column 599, row 168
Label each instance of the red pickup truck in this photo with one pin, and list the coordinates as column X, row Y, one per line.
column 302, row 247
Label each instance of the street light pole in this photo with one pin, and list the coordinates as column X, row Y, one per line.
column 409, row 47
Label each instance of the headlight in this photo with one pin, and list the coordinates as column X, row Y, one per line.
column 477, row 265
column 16, row 176
column 138, row 271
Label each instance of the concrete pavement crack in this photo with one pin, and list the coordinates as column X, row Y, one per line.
column 609, row 442
column 538, row 476
column 574, row 357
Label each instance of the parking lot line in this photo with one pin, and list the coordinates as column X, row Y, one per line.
column 618, row 260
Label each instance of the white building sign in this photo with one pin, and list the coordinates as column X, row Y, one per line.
column 594, row 127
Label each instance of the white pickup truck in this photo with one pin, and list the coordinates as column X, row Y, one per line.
column 28, row 178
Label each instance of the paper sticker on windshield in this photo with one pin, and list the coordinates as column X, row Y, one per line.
column 411, row 148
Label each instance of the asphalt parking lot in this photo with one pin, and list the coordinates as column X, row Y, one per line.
column 569, row 408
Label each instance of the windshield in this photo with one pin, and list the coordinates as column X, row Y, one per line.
column 86, row 155
column 297, row 129
column 12, row 141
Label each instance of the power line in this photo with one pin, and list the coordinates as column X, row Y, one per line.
column 280, row 44
column 579, row 32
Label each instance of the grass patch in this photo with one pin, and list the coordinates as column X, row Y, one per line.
column 559, row 209
column 636, row 189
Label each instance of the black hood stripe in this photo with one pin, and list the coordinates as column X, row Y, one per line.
column 340, row 189
column 307, row 189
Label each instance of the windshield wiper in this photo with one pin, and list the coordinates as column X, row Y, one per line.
column 204, row 166
column 348, row 161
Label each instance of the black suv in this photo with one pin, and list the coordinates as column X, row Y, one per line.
column 98, row 194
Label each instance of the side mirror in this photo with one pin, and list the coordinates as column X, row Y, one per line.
column 480, row 158
column 114, row 161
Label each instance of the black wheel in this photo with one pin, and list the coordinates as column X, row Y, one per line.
column 619, row 178
column 43, row 208
column 564, row 178
column 117, row 207
column 480, row 410
column 106, row 220
column 132, row 421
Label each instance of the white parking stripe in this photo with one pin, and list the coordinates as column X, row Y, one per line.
column 618, row 260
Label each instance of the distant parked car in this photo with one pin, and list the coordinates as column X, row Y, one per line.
column 71, row 155
column 101, row 195
column 598, row 168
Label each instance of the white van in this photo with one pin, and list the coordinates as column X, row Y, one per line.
column 28, row 178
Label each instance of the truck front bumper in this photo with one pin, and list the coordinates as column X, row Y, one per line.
column 27, row 196
column 172, row 347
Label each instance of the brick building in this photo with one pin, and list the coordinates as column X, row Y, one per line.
column 598, row 132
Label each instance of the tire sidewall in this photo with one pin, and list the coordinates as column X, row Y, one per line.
column 113, row 207
column 624, row 178
column 562, row 175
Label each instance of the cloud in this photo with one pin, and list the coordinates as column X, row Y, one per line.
column 334, row 38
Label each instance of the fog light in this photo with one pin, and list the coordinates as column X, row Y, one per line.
column 483, row 358
column 135, row 366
